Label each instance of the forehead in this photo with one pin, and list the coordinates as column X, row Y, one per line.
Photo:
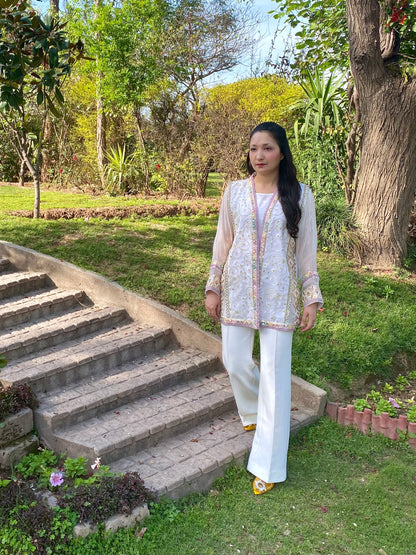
column 262, row 138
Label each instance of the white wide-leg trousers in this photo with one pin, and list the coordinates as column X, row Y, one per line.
column 262, row 398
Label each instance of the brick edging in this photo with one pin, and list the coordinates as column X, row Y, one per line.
column 366, row 421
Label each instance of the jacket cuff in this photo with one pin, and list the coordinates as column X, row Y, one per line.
column 214, row 279
column 310, row 289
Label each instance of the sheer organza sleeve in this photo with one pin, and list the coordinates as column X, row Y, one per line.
column 306, row 246
column 222, row 244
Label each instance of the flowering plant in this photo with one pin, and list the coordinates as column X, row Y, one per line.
column 56, row 479
column 400, row 17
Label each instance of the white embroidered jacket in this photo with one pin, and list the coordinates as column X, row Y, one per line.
column 256, row 271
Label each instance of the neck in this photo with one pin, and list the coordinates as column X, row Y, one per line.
column 265, row 184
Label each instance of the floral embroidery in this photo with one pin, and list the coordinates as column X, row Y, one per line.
column 258, row 278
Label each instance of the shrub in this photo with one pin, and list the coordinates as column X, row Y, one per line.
column 111, row 495
column 15, row 398
column 337, row 231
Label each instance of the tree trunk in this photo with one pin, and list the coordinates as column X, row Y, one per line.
column 101, row 133
column 101, row 119
column 46, row 158
column 22, row 173
column 143, row 148
column 54, row 6
column 36, row 185
column 203, row 180
column 387, row 178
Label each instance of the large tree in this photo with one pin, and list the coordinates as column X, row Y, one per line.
column 387, row 178
column 381, row 40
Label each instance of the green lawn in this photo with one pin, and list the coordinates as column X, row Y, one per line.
column 346, row 493
column 366, row 328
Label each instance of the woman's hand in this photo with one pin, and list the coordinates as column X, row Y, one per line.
column 213, row 305
column 308, row 317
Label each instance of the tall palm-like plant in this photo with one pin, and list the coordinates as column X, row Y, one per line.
column 118, row 170
column 325, row 114
column 325, row 104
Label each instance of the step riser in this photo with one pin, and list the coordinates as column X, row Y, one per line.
column 19, row 288
column 4, row 265
column 114, row 402
column 60, row 336
column 101, row 363
column 35, row 313
column 135, row 445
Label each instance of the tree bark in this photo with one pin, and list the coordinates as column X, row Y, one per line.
column 144, row 150
column 101, row 119
column 54, row 6
column 22, row 173
column 46, row 158
column 101, row 132
column 387, row 178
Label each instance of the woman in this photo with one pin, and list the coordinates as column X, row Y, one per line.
column 266, row 241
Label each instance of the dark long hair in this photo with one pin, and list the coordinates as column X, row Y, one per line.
column 289, row 188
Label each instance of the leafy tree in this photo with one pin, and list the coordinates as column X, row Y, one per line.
column 126, row 41
column 232, row 111
column 321, row 31
column 205, row 38
column 382, row 53
column 35, row 57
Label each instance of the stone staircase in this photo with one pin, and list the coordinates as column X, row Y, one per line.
column 127, row 380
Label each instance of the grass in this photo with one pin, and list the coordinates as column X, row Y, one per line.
column 365, row 330
column 346, row 493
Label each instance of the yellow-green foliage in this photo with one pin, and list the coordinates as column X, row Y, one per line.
column 81, row 95
column 259, row 98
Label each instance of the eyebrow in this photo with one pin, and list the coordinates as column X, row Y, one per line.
column 262, row 144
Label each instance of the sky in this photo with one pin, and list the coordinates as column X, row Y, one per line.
column 264, row 33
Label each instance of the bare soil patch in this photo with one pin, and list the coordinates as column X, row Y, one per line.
column 189, row 208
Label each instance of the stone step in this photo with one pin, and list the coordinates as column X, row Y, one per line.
column 4, row 264
column 134, row 380
column 17, row 283
column 83, row 358
column 28, row 339
column 190, row 461
column 33, row 306
column 140, row 424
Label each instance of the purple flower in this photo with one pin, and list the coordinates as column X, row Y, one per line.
column 393, row 402
column 56, row 479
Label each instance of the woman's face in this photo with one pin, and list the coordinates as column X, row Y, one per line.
column 265, row 154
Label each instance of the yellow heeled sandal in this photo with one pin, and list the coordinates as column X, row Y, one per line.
column 250, row 427
column 260, row 486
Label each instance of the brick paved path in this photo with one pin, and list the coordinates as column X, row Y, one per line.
column 110, row 387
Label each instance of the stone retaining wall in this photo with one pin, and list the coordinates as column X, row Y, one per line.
column 16, row 438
